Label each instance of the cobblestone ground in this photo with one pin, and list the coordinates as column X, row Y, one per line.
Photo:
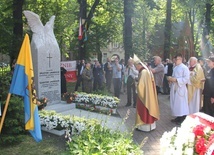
column 152, row 144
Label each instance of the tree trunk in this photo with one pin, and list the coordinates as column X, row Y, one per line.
column 144, row 52
column 17, row 29
column 86, row 19
column 167, row 31
column 206, row 31
column 82, row 15
column 127, row 38
column 192, row 21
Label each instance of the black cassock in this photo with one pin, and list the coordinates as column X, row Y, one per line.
column 208, row 92
column 63, row 80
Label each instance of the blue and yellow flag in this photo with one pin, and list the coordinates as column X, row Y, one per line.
column 22, row 84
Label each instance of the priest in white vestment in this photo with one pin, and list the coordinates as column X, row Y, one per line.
column 195, row 85
column 178, row 90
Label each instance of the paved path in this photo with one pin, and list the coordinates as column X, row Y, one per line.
column 152, row 144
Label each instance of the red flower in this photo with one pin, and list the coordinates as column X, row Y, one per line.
column 199, row 130
column 200, row 146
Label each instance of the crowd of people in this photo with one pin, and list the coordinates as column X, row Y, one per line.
column 190, row 85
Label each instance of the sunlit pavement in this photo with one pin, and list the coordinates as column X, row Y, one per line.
column 152, row 144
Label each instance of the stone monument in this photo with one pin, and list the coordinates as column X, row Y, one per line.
column 46, row 58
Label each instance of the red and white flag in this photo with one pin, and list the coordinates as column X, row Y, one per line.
column 80, row 30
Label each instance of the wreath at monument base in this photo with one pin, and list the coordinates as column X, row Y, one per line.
column 195, row 136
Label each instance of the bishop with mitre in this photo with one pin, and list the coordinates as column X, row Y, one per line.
column 147, row 109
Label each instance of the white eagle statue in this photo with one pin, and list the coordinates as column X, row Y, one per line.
column 46, row 57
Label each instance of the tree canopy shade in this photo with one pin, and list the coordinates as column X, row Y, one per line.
column 110, row 21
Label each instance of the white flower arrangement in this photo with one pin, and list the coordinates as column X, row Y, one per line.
column 75, row 125
column 193, row 137
column 101, row 100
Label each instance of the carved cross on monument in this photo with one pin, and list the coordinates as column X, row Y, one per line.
column 49, row 60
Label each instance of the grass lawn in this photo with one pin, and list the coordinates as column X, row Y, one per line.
column 50, row 145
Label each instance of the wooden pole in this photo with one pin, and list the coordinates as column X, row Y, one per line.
column 5, row 110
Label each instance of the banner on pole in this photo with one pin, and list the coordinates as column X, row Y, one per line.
column 70, row 66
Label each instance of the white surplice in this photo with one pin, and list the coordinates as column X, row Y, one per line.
column 178, row 91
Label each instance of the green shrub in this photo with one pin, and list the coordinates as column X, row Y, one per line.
column 102, row 141
column 5, row 79
column 13, row 127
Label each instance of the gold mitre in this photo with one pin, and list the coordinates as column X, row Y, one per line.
column 138, row 61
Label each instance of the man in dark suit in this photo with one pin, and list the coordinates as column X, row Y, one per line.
column 97, row 73
column 80, row 67
column 168, row 69
column 108, row 73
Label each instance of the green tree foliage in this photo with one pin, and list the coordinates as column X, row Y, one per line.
column 13, row 126
column 6, row 29
column 146, row 16
column 66, row 23
column 106, row 26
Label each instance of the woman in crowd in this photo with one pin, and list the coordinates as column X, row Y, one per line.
column 87, row 77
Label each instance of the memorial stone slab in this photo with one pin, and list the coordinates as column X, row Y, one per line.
column 46, row 58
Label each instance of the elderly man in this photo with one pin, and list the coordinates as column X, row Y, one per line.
column 158, row 72
column 178, row 90
column 147, row 110
column 195, row 85
column 131, row 73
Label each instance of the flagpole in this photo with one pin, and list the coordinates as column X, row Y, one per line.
column 5, row 110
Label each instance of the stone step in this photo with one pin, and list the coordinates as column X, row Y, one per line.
column 60, row 107
column 113, row 122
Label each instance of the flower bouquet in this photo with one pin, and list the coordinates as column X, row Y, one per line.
column 97, row 100
column 195, row 136
column 51, row 120
column 69, row 97
column 42, row 103
column 96, row 103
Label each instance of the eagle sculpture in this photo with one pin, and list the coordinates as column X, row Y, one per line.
column 46, row 57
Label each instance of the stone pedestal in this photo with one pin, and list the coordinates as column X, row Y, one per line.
column 53, row 131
